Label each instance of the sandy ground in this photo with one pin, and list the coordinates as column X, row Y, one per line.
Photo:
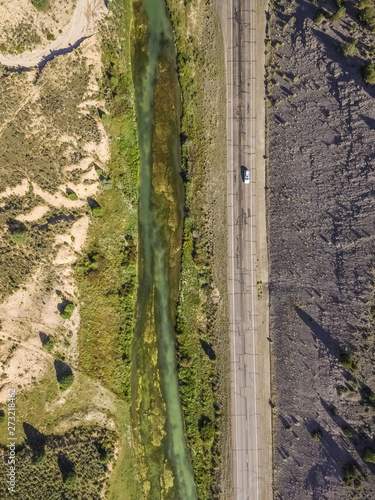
column 321, row 223
column 82, row 23
column 33, row 308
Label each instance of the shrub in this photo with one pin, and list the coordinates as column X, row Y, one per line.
column 66, row 381
column 106, row 184
column 369, row 456
column 348, row 362
column 48, row 344
column 97, row 211
column 39, row 458
column 347, row 432
column 339, row 14
column 70, row 479
column 50, row 36
column 364, row 3
column 317, row 434
column 367, row 15
column 19, row 237
column 349, row 49
column 68, row 311
column 341, row 390
column 319, row 17
column 334, row 410
column 41, row 4
column 368, row 73
column 72, row 196
column 351, row 474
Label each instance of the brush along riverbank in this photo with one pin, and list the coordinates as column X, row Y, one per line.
column 107, row 273
column 202, row 319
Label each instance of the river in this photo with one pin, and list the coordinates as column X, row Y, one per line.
column 163, row 456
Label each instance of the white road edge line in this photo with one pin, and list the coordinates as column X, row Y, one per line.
column 232, row 188
column 252, row 80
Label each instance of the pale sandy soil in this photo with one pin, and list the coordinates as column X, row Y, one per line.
column 19, row 190
column 35, row 214
column 33, row 308
column 74, row 25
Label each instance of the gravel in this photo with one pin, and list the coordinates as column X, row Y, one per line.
column 321, row 186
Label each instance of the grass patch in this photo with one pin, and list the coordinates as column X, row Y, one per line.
column 348, row 433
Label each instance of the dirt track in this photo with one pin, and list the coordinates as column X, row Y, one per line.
column 321, row 221
column 82, row 25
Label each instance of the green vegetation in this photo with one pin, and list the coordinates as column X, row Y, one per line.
column 50, row 36
column 107, row 272
column 72, row 196
column 97, row 212
column 347, row 431
column 334, row 410
column 338, row 15
column 342, row 390
column 368, row 456
column 317, row 434
column 48, row 343
column 201, row 323
column 47, row 465
column 364, row 3
column 40, row 158
column 351, row 475
column 348, row 362
column 367, row 15
column 368, row 73
column 41, row 4
column 70, row 479
column 66, row 381
column 67, row 312
column 349, row 49
column 319, row 16
column 19, row 236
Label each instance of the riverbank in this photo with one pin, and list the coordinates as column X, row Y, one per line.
column 107, row 272
column 202, row 321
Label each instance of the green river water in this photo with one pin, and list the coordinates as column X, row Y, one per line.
column 157, row 411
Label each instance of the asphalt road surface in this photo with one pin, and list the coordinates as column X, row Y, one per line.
column 250, row 418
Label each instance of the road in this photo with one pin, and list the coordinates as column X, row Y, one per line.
column 84, row 23
column 248, row 267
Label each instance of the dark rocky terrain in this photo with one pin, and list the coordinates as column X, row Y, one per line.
column 321, row 186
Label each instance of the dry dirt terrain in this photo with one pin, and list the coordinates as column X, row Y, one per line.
column 29, row 37
column 321, row 246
